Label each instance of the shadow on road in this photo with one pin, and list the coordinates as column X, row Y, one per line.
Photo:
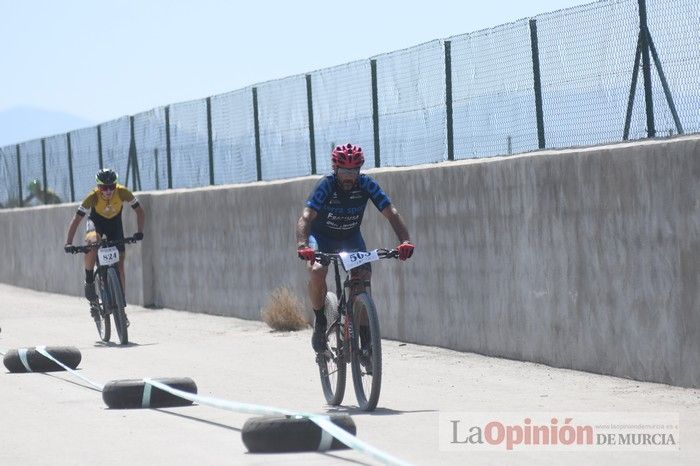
column 347, row 460
column 356, row 411
column 112, row 344
column 84, row 385
column 192, row 418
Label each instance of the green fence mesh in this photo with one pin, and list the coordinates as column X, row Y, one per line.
column 32, row 169
column 284, row 128
column 479, row 88
column 85, row 154
column 233, row 137
column 9, row 187
column 493, row 94
column 57, row 168
column 342, row 106
column 188, row 144
column 150, row 143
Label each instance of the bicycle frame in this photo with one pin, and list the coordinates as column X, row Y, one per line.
column 112, row 299
column 355, row 313
column 346, row 293
column 109, row 303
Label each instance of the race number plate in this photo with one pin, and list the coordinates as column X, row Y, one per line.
column 108, row 256
column 352, row 260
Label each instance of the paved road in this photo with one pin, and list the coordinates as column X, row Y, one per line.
column 58, row 419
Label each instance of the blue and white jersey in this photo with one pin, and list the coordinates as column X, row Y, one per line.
column 340, row 212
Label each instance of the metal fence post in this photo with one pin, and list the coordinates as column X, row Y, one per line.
column 43, row 164
column 19, row 176
column 168, row 155
column 537, row 83
column 210, row 143
column 664, row 85
column 133, row 157
column 312, row 140
column 375, row 112
column 646, row 67
column 448, row 100
column 633, row 89
column 256, row 122
column 155, row 157
column 99, row 146
column 70, row 167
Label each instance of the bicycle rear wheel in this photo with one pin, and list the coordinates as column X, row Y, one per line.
column 366, row 362
column 115, row 289
column 331, row 364
column 104, row 325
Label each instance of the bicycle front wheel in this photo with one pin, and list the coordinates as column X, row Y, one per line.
column 366, row 358
column 115, row 290
column 331, row 364
column 104, row 325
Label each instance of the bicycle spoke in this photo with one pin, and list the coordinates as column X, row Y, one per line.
column 366, row 357
column 330, row 364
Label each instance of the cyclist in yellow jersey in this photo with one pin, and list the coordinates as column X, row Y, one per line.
column 43, row 196
column 105, row 203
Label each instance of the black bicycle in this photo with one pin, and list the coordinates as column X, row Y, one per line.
column 346, row 315
column 109, row 288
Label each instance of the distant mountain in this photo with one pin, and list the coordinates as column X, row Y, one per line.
column 19, row 124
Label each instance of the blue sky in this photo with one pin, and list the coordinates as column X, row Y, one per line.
column 100, row 60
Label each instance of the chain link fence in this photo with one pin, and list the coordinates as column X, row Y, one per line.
column 597, row 73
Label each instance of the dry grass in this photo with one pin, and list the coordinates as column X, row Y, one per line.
column 284, row 311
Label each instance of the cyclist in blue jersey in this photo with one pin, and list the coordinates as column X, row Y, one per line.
column 331, row 223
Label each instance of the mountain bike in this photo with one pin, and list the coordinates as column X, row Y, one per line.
column 344, row 342
column 109, row 289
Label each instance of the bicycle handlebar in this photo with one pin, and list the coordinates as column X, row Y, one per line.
column 326, row 258
column 102, row 243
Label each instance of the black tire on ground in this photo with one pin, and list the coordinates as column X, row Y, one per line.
column 37, row 362
column 128, row 394
column 331, row 364
column 368, row 383
column 104, row 325
column 283, row 434
column 115, row 290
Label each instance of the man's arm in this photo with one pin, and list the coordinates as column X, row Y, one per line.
column 304, row 226
column 140, row 218
column 72, row 227
column 396, row 222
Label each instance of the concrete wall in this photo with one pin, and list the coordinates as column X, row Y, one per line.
column 586, row 258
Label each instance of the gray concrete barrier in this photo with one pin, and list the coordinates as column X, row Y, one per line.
column 587, row 258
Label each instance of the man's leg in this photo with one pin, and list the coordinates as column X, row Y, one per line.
column 90, row 259
column 317, row 285
column 317, row 294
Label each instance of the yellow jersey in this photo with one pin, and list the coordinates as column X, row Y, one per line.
column 108, row 208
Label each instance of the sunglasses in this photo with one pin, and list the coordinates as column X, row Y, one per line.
column 348, row 171
column 107, row 187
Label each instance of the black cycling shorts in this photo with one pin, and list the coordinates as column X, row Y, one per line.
column 111, row 227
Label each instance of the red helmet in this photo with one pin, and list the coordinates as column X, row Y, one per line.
column 347, row 156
